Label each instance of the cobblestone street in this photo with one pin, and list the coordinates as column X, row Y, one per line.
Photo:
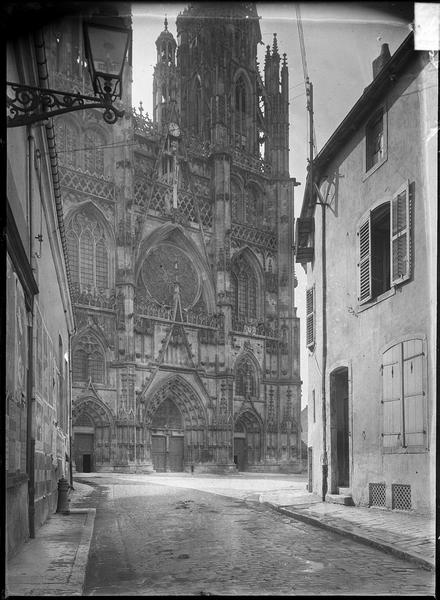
column 154, row 539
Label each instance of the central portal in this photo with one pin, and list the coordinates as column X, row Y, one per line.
column 167, row 438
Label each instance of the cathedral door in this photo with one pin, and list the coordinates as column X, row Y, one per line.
column 167, row 437
column 158, row 452
column 247, row 440
column 240, row 453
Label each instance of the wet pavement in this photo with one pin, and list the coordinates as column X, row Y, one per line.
column 154, row 536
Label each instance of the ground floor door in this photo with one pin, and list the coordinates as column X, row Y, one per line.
column 167, row 453
column 340, row 427
column 175, row 455
column 84, row 452
column 158, row 452
column 240, row 453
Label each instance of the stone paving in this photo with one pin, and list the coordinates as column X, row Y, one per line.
column 154, row 539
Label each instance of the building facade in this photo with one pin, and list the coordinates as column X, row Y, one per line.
column 180, row 236
column 39, row 316
column 366, row 237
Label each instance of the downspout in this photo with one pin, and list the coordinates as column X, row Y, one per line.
column 309, row 89
column 30, row 441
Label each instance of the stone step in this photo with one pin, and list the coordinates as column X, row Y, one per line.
column 344, row 491
column 339, row 499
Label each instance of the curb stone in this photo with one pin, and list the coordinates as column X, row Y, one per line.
column 363, row 538
column 78, row 574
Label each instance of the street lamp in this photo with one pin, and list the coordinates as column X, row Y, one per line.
column 106, row 49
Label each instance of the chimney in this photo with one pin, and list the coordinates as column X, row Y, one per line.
column 381, row 60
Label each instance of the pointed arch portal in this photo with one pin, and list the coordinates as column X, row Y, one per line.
column 92, row 424
column 247, row 440
column 176, row 419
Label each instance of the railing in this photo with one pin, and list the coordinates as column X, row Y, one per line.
column 253, row 235
column 81, row 181
column 144, row 307
column 250, row 163
column 91, row 296
column 254, row 328
column 162, row 199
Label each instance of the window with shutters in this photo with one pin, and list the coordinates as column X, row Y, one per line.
column 404, row 415
column 384, row 259
column 310, row 317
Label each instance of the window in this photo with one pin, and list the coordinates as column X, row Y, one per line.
column 88, row 360
column 404, row 397
column 67, row 143
column 244, row 289
column 384, row 246
column 197, row 107
column 310, row 317
column 245, row 378
column 236, row 202
column 88, row 252
column 94, row 153
column 374, row 135
column 240, row 113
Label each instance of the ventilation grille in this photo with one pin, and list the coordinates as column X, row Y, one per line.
column 377, row 494
column 401, row 496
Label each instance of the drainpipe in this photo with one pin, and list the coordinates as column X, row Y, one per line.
column 309, row 91
column 324, row 357
column 70, row 334
column 30, row 441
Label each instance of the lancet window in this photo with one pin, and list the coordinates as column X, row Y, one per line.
column 88, row 360
column 67, row 136
column 244, row 289
column 245, row 378
column 89, row 255
column 240, row 113
column 94, row 153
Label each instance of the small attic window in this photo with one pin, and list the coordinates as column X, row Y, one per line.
column 375, row 140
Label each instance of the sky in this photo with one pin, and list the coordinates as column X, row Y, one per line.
column 341, row 41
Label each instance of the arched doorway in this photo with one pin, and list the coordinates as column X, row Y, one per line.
column 167, row 438
column 92, row 435
column 247, row 441
column 176, row 420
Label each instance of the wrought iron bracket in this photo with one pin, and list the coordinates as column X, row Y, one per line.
column 31, row 104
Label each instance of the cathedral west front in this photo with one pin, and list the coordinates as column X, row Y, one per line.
column 179, row 229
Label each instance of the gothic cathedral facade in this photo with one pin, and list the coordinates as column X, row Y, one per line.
column 180, row 236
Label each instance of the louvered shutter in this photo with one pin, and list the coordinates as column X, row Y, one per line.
column 400, row 236
column 413, row 392
column 364, row 233
column 310, row 317
column 391, row 398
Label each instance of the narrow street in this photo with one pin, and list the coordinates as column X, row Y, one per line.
column 154, row 536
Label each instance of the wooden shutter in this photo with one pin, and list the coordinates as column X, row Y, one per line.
column 391, row 398
column 400, row 236
column 310, row 317
column 365, row 287
column 413, row 393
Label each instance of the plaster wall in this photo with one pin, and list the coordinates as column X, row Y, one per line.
column 358, row 334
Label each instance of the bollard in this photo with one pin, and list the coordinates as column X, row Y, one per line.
column 63, row 496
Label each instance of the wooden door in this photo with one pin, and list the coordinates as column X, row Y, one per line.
column 240, row 453
column 158, row 452
column 175, row 454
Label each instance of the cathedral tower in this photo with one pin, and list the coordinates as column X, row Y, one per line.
column 202, row 364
